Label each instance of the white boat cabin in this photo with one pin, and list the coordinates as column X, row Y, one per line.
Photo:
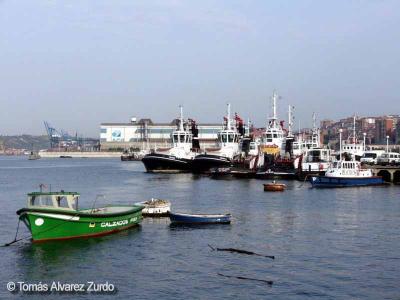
column 273, row 136
column 181, row 137
column 347, row 169
column 228, row 137
column 54, row 200
column 355, row 149
column 316, row 160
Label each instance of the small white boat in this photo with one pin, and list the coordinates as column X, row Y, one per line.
column 156, row 208
column 34, row 155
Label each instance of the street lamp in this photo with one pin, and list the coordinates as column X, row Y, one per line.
column 340, row 144
column 364, row 134
column 387, row 144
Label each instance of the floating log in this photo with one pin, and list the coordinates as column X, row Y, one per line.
column 269, row 282
column 233, row 250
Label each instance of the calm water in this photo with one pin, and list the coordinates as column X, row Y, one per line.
column 329, row 244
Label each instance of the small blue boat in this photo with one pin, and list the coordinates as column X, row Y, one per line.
column 346, row 174
column 327, row 182
column 200, row 218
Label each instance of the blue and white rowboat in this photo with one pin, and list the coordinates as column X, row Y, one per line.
column 200, row 218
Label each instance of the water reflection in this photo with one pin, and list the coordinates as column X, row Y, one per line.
column 34, row 260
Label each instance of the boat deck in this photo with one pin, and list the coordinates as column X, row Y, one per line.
column 107, row 210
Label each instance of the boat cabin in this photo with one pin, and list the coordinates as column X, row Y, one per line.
column 181, row 137
column 54, row 200
column 347, row 169
column 317, row 155
column 228, row 136
column 272, row 134
column 346, row 164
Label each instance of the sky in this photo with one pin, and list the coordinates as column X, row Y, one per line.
column 77, row 64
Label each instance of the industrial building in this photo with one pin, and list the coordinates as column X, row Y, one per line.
column 145, row 134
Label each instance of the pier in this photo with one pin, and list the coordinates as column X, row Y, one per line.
column 389, row 173
column 80, row 154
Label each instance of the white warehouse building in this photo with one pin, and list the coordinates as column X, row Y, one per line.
column 145, row 134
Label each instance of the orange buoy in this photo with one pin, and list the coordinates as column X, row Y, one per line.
column 274, row 187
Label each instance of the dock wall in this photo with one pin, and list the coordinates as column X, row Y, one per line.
column 80, row 154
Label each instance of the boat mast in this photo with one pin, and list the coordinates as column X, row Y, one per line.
column 290, row 121
column 300, row 139
column 340, row 144
column 315, row 133
column 274, row 117
column 228, row 121
column 354, row 134
column 181, row 119
column 314, row 119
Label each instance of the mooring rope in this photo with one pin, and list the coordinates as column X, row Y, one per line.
column 305, row 179
column 28, row 236
column 15, row 238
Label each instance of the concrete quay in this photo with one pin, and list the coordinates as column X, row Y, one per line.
column 389, row 173
column 80, row 154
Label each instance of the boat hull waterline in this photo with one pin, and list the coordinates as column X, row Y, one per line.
column 332, row 182
column 205, row 162
column 200, row 219
column 166, row 163
column 46, row 225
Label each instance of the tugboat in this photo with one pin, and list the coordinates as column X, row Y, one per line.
column 344, row 173
column 177, row 159
column 55, row 216
column 272, row 138
column 280, row 164
column 222, row 156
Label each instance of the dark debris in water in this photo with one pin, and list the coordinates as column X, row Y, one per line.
column 269, row 282
column 233, row 250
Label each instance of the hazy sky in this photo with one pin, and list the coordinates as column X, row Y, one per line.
column 79, row 63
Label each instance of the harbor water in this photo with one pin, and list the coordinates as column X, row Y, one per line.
column 328, row 244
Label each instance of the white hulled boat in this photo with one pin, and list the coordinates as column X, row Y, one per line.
column 316, row 159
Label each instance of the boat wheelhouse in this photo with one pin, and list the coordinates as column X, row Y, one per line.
column 302, row 145
column 56, row 216
column 352, row 145
column 316, row 161
column 178, row 158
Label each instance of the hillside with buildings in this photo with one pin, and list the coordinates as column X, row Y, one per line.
column 13, row 143
column 376, row 129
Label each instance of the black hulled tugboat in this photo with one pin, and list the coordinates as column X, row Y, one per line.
column 222, row 156
column 175, row 159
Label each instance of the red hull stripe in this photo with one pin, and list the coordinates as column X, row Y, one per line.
column 86, row 235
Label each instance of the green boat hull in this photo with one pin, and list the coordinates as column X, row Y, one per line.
column 46, row 225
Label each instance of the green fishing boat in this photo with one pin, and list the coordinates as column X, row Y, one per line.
column 56, row 216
